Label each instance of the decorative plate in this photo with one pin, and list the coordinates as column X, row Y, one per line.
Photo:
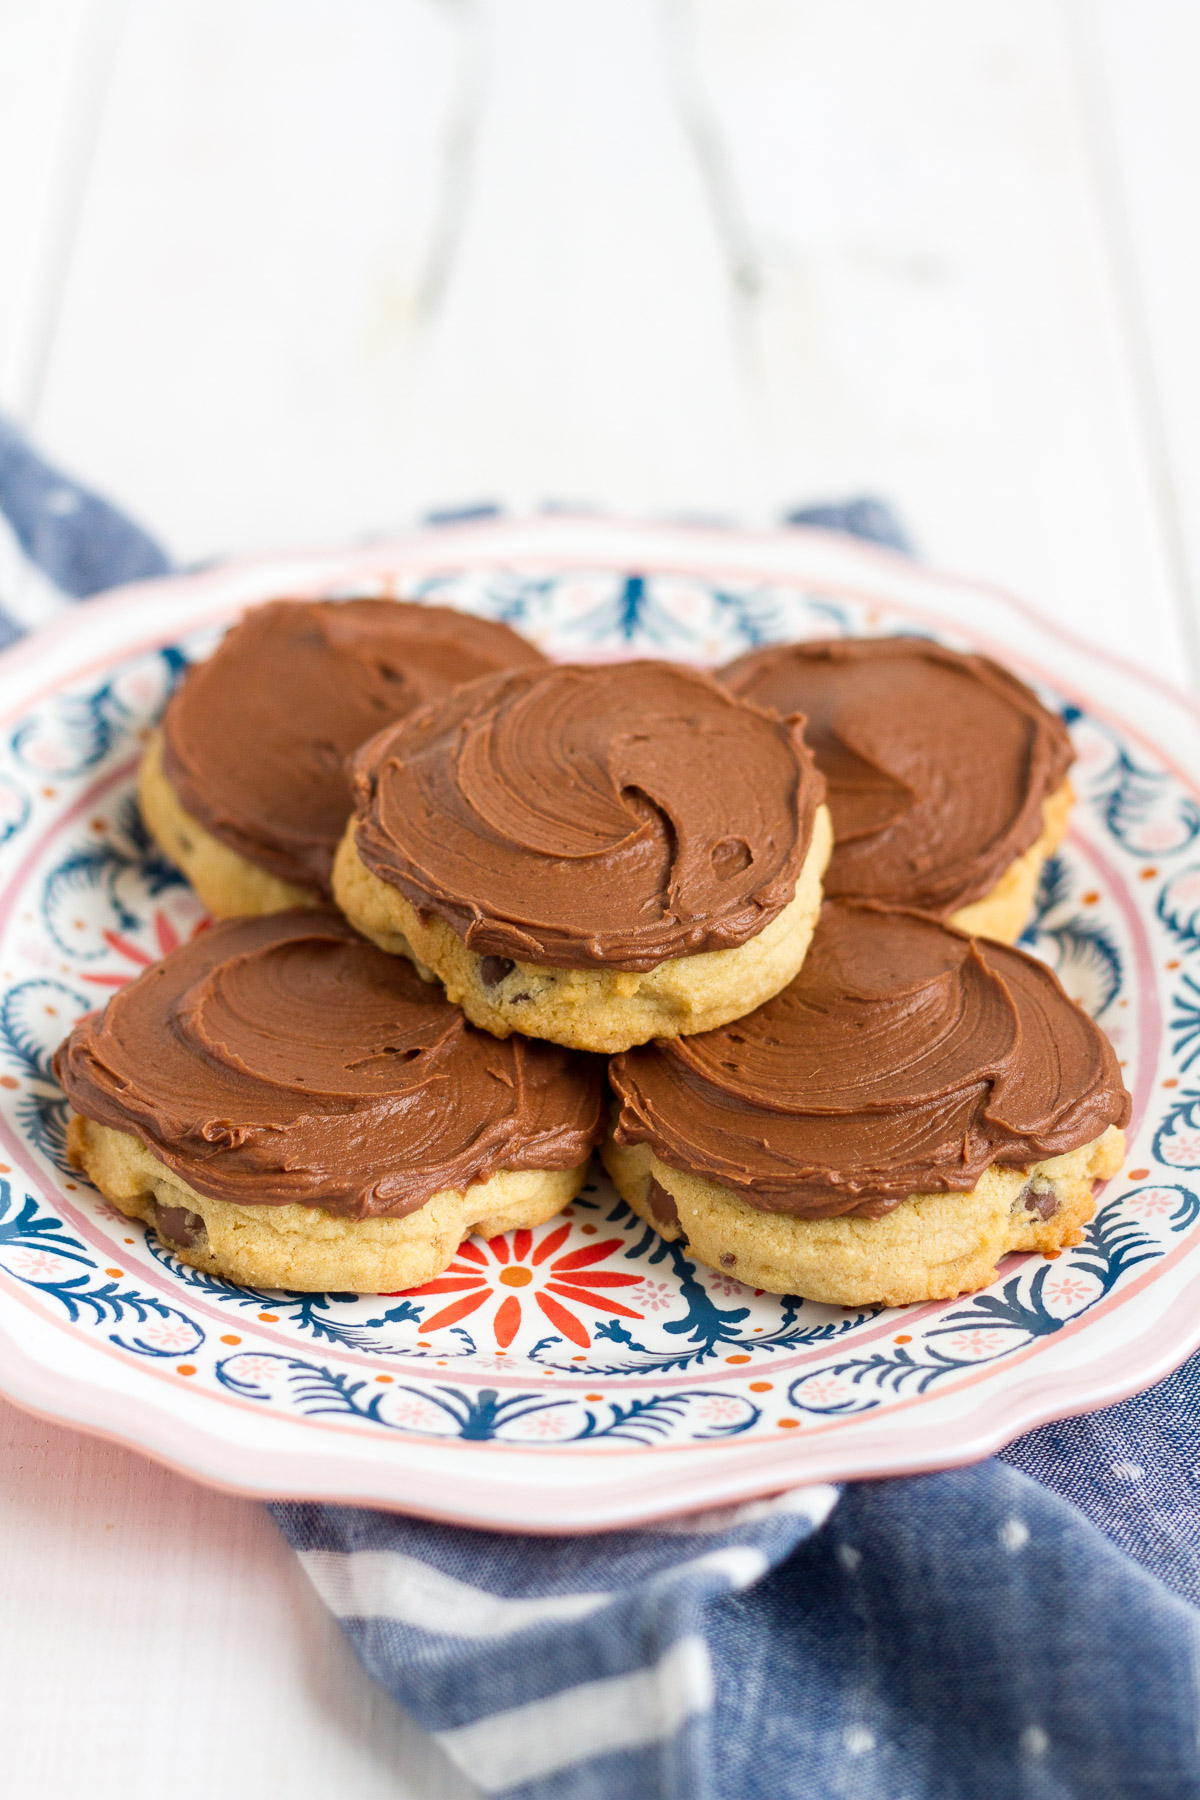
column 585, row 1374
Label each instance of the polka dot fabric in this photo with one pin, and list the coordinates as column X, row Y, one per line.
column 1026, row 1627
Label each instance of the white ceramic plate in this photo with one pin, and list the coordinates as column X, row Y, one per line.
column 659, row 1387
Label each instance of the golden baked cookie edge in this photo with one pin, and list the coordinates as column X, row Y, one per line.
column 1004, row 913
column 930, row 1247
column 302, row 1247
column 227, row 883
column 603, row 1010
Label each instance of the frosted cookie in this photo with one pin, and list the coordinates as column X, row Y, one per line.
column 915, row 1105
column 290, row 1108
column 947, row 776
column 595, row 855
column 245, row 787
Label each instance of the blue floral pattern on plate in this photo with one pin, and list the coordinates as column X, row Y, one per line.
column 612, row 1336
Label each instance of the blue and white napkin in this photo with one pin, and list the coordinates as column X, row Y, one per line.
column 1026, row 1629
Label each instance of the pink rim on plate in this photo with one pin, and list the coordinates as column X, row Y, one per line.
column 628, row 1384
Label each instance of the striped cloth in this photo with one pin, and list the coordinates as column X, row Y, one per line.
column 1028, row 1629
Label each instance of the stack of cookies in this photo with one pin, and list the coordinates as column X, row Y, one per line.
column 479, row 913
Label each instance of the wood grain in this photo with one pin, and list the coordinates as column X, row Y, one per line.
column 281, row 271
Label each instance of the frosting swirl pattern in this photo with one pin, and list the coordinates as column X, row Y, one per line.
column 938, row 763
column 282, row 1059
column 256, row 739
column 905, row 1058
column 591, row 816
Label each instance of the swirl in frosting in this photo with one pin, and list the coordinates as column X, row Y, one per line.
column 938, row 763
column 588, row 816
column 256, row 739
column 905, row 1058
column 283, row 1059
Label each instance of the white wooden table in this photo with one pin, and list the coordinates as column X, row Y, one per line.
column 285, row 271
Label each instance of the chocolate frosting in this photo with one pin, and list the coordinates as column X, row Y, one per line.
column 612, row 815
column 283, row 1059
column 937, row 763
column 905, row 1058
column 256, row 739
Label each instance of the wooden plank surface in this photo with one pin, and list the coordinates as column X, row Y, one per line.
column 55, row 62
column 282, row 271
column 158, row 1638
column 1137, row 69
column 692, row 256
column 930, row 304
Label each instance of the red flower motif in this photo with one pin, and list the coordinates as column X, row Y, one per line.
column 1069, row 1290
column 505, row 1265
column 166, row 937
